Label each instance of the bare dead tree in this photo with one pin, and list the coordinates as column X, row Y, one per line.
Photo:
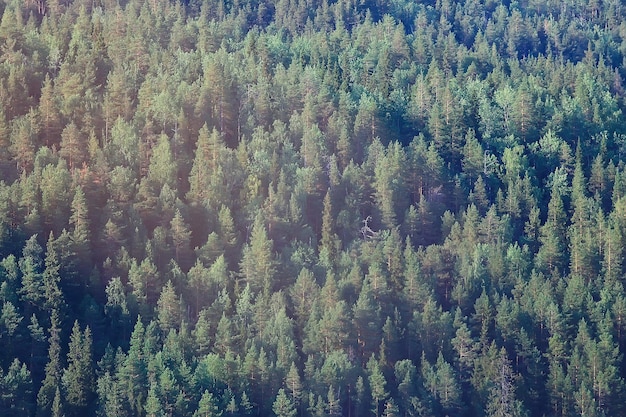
column 367, row 231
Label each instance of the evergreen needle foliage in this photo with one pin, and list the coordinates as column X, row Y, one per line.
column 307, row 208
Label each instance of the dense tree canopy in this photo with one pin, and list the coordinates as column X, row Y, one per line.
column 310, row 208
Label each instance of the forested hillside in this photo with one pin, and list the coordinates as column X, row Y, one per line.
column 312, row 208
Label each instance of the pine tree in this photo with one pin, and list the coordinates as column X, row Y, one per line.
column 378, row 385
column 49, row 113
column 48, row 401
column 153, row 406
column 473, row 156
column 559, row 388
column 10, row 319
column 391, row 189
column 232, row 408
column 294, row 384
column 552, row 236
column 246, row 406
column 598, row 182
column 162, row 168
column 144, row 280
column 330, row 244
column 464, row 345
column 333, row 404
column 612, row 252
column 303, row 294
column 37, row 352
column 208, row 406
column 199, row 287
column 283, row 406
column 116, row 308
column 81, row 232
column 366, row 321
column 51, row 279
column 109, row 392
column 132, row 373
column 391, row 409
column 73, row 146
column 17, row 390
column 118, row 96
column 448, row 389
column 24, row 131
column 584, row 247
column 122, row 146
column 57, row 405
column 502, row 399
column 523, row 116
column 224, row 336
column 367, row 126
column 203, row 333
column 406, row 375
column 55, row 196
column 30, row 265
column 181, row 239
column 208, row 149
column 585, row 402
column 602, row 358
column 258, row 266
column 168, row 309
column 329, row 332
column 78, row 377
column 415, row 289
column 227, row 233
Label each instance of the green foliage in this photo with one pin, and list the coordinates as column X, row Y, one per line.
column 49, row 397
column 283, row 406
column 257, row 261
column 312, row 208
column 377, row 384
column 17, row 390
column 78, row 377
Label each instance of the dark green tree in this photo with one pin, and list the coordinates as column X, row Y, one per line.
column 132, row 373
column 51, row 279
column 78, row 378
column 49, row 397
column 330, row 245
column 377, row 384
column 17, row 390
column 31, row 264
column 553, row 235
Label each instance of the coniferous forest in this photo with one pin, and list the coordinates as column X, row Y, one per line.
column 303, row 208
